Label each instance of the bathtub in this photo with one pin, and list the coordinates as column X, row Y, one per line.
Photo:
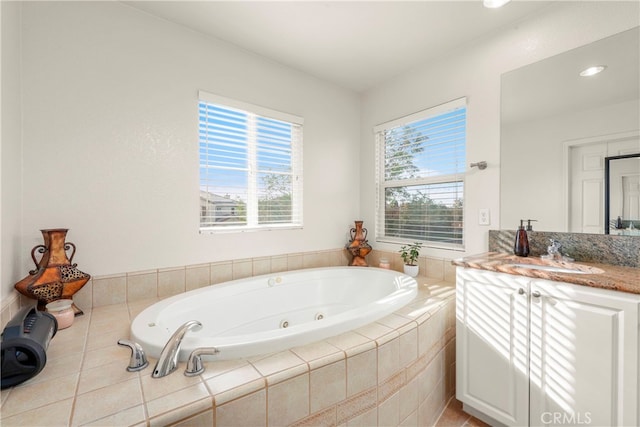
column 274, row 312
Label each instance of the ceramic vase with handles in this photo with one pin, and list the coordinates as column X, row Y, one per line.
column 358, row 246
column 55, row 277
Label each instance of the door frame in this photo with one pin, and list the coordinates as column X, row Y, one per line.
column 569, row 144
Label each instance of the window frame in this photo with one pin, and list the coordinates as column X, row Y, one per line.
column 256, row 112
column 382, row 184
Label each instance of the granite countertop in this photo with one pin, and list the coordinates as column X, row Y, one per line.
column 605, row 276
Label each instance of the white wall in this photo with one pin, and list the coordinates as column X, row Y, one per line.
column 110, row 138
column 10, row 150
column 474, row 71
column 539, row 192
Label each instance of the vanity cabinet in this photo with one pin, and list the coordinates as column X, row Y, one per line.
column 538, row 352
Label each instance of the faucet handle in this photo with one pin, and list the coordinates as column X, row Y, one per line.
column 138, row 359
column 194, row 364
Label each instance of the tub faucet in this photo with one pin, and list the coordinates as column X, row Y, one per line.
column 168, row 360
column 194, row 364
column 138, row 360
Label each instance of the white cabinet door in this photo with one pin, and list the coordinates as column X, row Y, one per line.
column 492, row 344
column 584, row 356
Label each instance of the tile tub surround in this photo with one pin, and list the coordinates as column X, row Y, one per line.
column 396, row 371
column 135, row 286
column 606, row 276
column 601, row 248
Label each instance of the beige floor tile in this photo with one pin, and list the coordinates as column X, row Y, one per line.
column 55, row 414
column 453, row 415
column 212, row 369
column 108, row 337
column 58, row 367
column 154, row 388
column 137, row 307
column 21, row 398
column 107, row 401
column 280, row 363
column 103, row 356
column 128, row 417
column 348, row 340
column 375, row 331
column 232, row 379
column 318, row 354
column 103, row 376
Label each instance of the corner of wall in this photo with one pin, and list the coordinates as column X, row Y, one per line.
column 11, row 153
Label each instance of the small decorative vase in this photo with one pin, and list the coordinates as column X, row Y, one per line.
column 55, row 277
column 358, row 246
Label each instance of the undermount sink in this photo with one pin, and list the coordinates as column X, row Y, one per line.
column 579, row 269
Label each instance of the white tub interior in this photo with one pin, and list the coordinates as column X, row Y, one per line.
column 269, row 313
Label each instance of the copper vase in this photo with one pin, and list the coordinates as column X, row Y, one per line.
column 358, row 245
column 55, row 277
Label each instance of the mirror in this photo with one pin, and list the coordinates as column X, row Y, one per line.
column 557, row 128
column 622, row 195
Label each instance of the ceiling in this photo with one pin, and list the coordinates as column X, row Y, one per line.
column 354, row 44
column 553, row 86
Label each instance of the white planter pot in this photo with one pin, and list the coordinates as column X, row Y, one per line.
column 411, row 270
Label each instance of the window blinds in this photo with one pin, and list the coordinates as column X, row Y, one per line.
column 250, row 166
column 420, row 176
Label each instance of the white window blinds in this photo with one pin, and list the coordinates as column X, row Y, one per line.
column 420, row 176
column 250, row 166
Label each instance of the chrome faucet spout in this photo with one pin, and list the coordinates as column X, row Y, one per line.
column 168, row 360
column 553, row 250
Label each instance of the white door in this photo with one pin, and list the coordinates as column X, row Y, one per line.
column 586, row 188
column 492, row 344
column 584, row 356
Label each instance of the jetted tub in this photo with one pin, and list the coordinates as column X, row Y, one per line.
column 274, row 312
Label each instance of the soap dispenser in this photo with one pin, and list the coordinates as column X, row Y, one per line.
column 521, row 246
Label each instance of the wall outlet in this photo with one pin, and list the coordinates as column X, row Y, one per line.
column 483, row 217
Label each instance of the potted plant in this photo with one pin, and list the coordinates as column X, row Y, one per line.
column 410, row 254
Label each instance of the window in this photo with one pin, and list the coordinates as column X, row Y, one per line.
column 250, row 166
column 420, row 177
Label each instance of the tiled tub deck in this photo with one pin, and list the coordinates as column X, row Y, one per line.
column 399, row 371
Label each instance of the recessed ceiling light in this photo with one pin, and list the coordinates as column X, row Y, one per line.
column 592, row 71
column 494, row 4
